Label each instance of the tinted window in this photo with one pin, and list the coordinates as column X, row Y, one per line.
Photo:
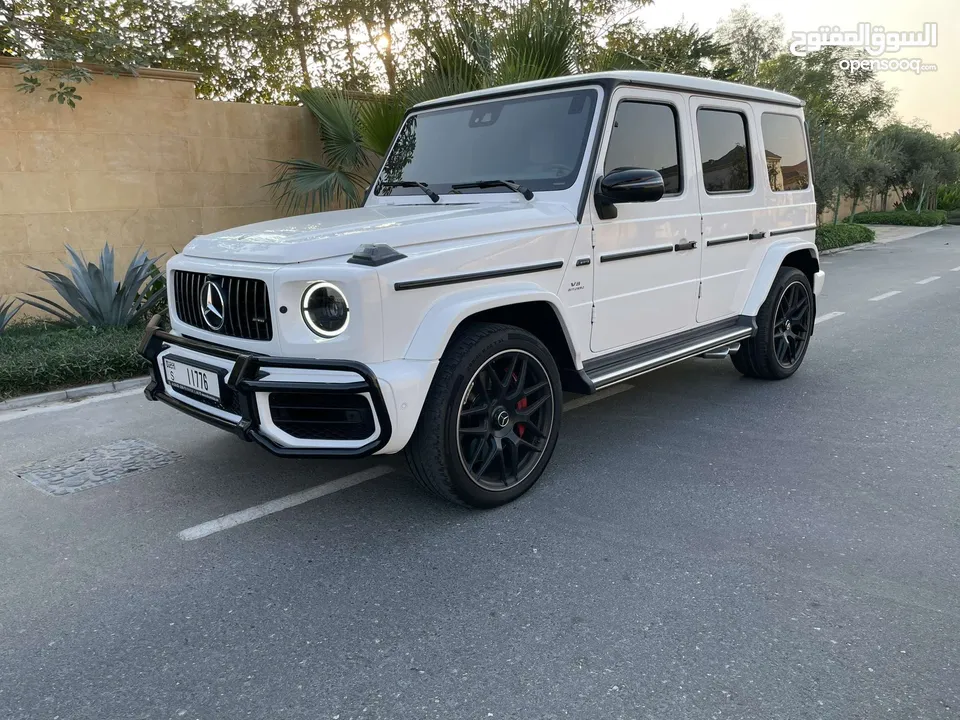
column 645, row 135
column 724, row 151
column 786, row 152
column 537, row 141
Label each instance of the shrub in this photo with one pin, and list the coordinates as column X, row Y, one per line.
column 830, row 237
column 7, row 311
column 948, row 197
column 95, row 297
column 40, row 356
column 927, row 218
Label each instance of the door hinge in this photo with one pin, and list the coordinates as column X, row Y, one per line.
column 593, row 314
column 699, row 290
column 593, row 238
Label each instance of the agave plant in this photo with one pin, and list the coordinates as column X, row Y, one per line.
column 469, row 50
column 95, row 297
column 7, row 311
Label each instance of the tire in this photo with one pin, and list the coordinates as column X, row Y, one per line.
column 491, row 420
column 784, row 326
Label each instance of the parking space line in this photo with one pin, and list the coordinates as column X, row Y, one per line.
column 828, row 316
column 283, row 503
column 928, row 280
column 603, row 394
column 885, row 295
column 956, row 269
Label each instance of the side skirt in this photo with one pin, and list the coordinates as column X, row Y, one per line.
column 639, row 359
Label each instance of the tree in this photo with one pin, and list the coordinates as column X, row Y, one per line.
column 683, row 49
column 854, row 102
column 752, row 40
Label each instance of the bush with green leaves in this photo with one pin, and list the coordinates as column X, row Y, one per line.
column 831, row 237
column 948, row 197
column 95, row 298
column 39, row 356
column 7, row 311
column 925, row 218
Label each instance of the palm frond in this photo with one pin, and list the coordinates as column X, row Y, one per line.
column 379, row 121
column 339, row 121
column 306, row 186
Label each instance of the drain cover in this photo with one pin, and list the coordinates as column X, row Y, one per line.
column 99, row 466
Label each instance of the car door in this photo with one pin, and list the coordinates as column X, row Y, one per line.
column 646, row 260
column 732, row 199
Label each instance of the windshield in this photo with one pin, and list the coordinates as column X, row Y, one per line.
column 536, row 141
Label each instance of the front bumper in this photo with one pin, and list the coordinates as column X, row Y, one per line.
column 246, row 381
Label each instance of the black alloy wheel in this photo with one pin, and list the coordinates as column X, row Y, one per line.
column 505, row 419
column 791, row 329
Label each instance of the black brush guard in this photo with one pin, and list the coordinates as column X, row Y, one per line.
column 238, row 390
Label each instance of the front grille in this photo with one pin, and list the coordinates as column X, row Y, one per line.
column 322, row 416
column 246, row 307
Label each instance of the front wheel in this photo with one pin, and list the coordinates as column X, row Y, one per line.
column 491, row 419
column 784, row 325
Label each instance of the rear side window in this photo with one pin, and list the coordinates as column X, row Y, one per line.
column 646, row 135
column 786, row 152
column 724, row 151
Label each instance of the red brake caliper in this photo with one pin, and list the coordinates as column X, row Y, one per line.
column 521, row 406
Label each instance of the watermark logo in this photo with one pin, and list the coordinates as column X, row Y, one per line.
column 872, row 40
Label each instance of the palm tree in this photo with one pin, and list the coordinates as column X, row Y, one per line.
column 468, row 51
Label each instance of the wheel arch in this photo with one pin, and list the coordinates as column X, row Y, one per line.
column 800, row 254
column 523, row 305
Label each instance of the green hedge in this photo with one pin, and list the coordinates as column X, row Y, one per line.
column 927, row 218
column 37, row 357
column 830, row 237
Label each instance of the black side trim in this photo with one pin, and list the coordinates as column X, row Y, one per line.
column 606, row 363
column 757, row 235
column 583, row 261
column 727, row 240
column 787, row 231
column 611, row 257
column 471, row 277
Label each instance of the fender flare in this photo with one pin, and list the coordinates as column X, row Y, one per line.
column 768, row 270
column 446, row 314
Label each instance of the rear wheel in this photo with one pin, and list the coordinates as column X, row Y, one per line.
column 491, row 420
column 784, row 325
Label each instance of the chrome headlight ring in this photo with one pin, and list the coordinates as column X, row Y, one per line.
column 325, row 310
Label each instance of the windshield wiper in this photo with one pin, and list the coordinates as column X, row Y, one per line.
column 413, row 184
column 526, row 192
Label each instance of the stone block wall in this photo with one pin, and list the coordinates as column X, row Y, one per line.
column 140, row 161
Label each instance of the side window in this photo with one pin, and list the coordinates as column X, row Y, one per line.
column 724, row 151
column 785, row 151
column 646, row 135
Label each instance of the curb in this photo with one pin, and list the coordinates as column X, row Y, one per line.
column 71, row 394
column 882, row 241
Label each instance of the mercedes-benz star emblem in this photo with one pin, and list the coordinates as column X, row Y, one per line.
column 212, row 305
column 503, row 417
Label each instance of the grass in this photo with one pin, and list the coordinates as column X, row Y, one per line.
column 37, row 356
column 927, row 218
column 830, row 237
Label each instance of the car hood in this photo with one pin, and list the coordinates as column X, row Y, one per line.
column 332, row 234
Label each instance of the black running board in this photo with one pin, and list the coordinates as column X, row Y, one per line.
column 625, row 364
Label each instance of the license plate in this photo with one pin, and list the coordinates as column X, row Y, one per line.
column 184, row 376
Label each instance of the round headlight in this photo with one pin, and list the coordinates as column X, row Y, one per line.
column 325, row 310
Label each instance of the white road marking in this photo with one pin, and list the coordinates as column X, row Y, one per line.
column 928, row 280
column 956, row 269
column 885, row 295
column 828, row 316
column 283, row 503
column 603, row 394
column 7, row 415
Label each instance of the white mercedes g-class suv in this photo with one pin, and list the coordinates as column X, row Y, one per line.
column 518, row 242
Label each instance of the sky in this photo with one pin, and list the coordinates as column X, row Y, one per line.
column 931, row 97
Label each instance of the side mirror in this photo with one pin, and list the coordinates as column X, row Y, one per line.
column 626, row 185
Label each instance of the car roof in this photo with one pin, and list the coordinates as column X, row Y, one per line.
column 670, row 81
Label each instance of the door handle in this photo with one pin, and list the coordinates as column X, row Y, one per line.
column 680, row 247
column 757, row 235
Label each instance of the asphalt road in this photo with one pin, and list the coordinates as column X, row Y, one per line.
column 702, row 546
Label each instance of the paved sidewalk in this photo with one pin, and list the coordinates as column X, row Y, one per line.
column 891, row 233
